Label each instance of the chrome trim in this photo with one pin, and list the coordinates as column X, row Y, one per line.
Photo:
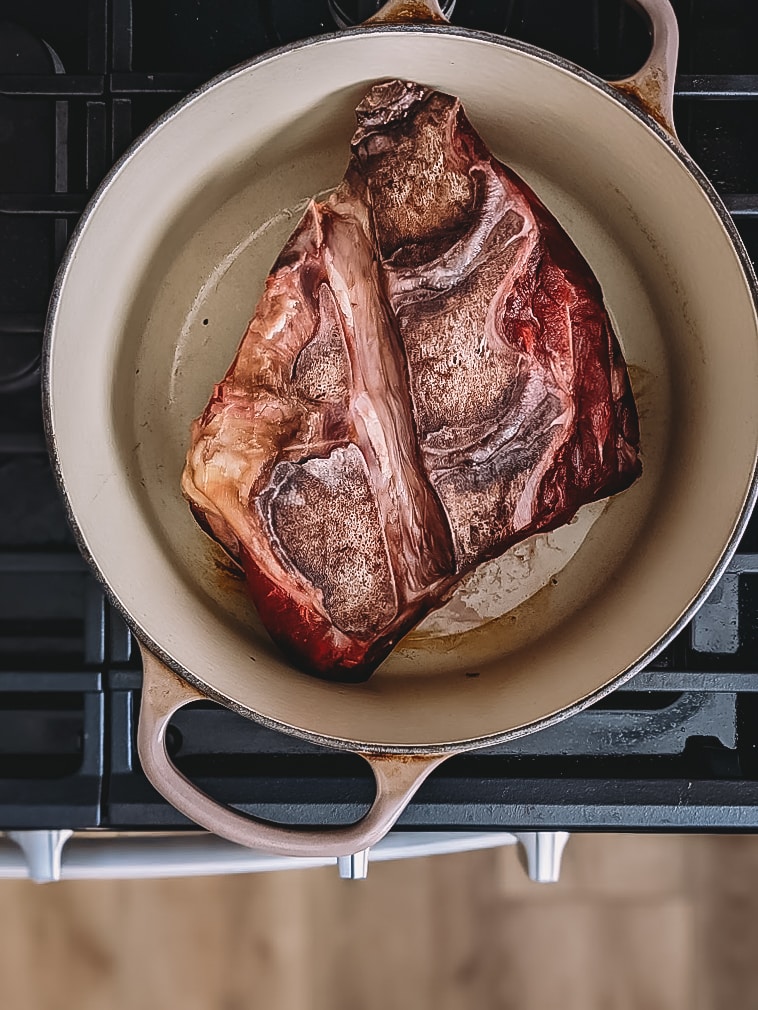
column 98, row 855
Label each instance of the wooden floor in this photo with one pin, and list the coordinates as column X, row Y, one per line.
column 637, row 923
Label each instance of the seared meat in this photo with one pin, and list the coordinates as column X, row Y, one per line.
column 430, row 377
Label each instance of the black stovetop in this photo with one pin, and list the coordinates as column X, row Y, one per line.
column 676, row 749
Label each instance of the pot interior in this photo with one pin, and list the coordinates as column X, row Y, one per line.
column 167, row 272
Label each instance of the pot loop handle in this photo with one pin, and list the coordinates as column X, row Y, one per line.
column 397, row 779
column 651, row 88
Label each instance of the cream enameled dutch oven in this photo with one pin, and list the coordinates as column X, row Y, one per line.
column 156, row 289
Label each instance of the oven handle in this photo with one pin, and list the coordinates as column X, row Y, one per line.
column 97, row 855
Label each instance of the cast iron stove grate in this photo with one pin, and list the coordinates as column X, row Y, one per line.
column 677, row 749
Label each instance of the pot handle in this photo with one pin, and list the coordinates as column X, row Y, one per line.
column 652, row 87
column 397, row 779
column 408, row 12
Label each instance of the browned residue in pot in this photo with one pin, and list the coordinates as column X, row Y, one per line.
column 224, row 572
column 649, row 93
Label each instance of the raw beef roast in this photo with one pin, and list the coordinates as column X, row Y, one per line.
column 430, row 377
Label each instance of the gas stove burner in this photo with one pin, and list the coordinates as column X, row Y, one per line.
column 353, row 12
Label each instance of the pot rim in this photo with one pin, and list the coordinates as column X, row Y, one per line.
column 340, row 743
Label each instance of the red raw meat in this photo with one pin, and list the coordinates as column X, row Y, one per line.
column 429, row 378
